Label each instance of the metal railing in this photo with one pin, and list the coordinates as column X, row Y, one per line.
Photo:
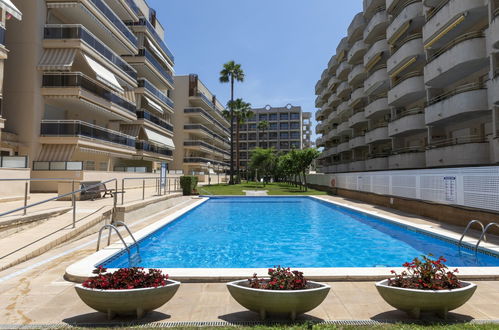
column 409, row 112
column 436, row 9
column 151, row 147
column 142, row 114
column 466, row 230
column 161, row 69
column 57, row 166
column 208, row 116
column 113, row 226
column 13, row 161
column 457, row 140
column 169, row 184
column 402, row 42
column 484, row 232
column 144, row 83
column 461, row 89
column 408, row 150
column 454, row 42
column 154, row 34
column 117, row 22
column 398, row 80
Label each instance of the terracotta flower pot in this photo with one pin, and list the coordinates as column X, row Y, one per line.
column 127, row 302
column 288, row 303
column 415, row 301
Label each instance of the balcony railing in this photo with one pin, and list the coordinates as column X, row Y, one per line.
column 204, row 113
column 461, row 89
column 435, row 10
column 149, row 147
column 153, row 119
column 212, row 104
column 144, row 83
column 66, row 31
column 2, row 35
column 401, row 5
column 57, row 166
column 155, row 35
column 14, row 161
column 408, row 150
column 204, row 161
column 454, row 42
column 204, row 144
column 409, row 112
column 406, row 76
column 457, row 140
column 162, row 70
column 117, row 22
column 78, row 79
column 402, row 42
column 204, row 128
column 77, row 128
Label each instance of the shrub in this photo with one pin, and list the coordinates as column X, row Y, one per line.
column 426, row 274
column 188, row 184
column 126, row 278
column 280, row 279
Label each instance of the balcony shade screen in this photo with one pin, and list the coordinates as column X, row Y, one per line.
column 160, row 139
column 9, row 7
column 153, row 104
column 157, row 52
column 59, row 59
column 56, row 152
column 104, row 75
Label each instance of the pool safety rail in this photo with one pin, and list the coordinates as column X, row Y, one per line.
column 492, row 224
column 113, row 226
column 466, row 230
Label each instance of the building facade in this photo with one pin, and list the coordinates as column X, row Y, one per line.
column 8, row 11
column 412, row 85
column 88, row 85
column 202, row 144
column 289, row 128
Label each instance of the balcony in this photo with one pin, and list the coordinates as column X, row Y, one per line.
column 446, row 14
column 356, row 28
column 143, row 25
column 377, row 162
column 375, row 53
column 207, row 119
column 77, row 36
column 81, row 130
column 407, row 89
column 209, row 104
column 412, row 13
column 204, row 161
column 148, row 117
column 458, row 59
column 357, row 142
column 357, row 166
column 466, row 101
column 343, row 70
column 146, row 148
column 343, row 167
column 370, row 6
column 357, row 96
column 406, row 158
column 376, row 26
column 357, row 76
column 357, row 118
column 344, row 129
column 144, row 86
column 203, row 131
column 96, row 16
column 333, row 82
column 333, row 117
column 332, row 133
column 407, row 122
column 377, row 134
column 377, row 106
column 2, row 35
column 344, row 90
column 319, row 115
column 148, row 66
column 410, row 50
column 493, row 91
column 343, row 108
column 462, row 151
column 343, row 147
column 76, row 90
column 357, row 52
column 377, row 81
column 493, row 34
column 197, row 145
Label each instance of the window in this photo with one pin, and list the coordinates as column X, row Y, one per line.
column 243, row 136
column 89, row 165
column 252, row 118
column 295, row 145
column 284, row 125
column 273, row 116
column 243, row 127
column 252, row 145
column 263, row 136
column 263, row 145
column 295, row 116
column 102, row 166
column 251, row 127
column 284, row 116
column 262, row 117
column 273, row 126
column 273, row 136
column 284, row 145
column 252, row 136
column 295, row 135
column 295, row 125
column 284, row 135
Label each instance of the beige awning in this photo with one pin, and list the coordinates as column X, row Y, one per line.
column 9, row 7
column 159, row 139
column 130, row 96
column 130, row 129
column 60, row 59
column 156, row 51
column 56, row 152
column 103, row 74
column 154, row 105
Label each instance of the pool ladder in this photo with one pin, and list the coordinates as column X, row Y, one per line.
column 483, row 234
column 112, row 227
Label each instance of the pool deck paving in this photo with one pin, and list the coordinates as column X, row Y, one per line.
column 35, row 292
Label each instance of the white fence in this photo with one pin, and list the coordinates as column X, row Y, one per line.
column 476, row 187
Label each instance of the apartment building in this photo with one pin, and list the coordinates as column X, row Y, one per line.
column 202, row 145
column 288, row 129
column 412, row 85
column 88, row 85
column 8, row 12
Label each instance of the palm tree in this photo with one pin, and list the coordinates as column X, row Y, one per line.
column 263, row 126
column 231, row 72
column 241, row 112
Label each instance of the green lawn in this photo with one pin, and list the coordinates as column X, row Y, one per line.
column 272, row 188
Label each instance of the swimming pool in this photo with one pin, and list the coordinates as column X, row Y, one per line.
column 261, row 232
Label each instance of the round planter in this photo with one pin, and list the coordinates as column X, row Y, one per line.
column 276, row 302
column 414, row 301
column 127, row 302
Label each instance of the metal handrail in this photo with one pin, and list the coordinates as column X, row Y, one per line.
column 483, row 234
column 72, row 194
column 120, row 223
column 455, row 42
column 467, row 228
column 109, row 237
column 158, row 185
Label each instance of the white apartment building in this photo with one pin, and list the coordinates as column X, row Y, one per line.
column 412, row 85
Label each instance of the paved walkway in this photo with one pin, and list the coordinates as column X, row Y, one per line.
column 35, row 292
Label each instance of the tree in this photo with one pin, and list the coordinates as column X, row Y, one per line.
column 231, row 72
column 263, row 160
column 263, row 126
column 303, row 160
column 241, row 111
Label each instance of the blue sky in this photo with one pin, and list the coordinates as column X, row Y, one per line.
column 282, row 45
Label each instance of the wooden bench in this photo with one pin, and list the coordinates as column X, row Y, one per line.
column 95, row 192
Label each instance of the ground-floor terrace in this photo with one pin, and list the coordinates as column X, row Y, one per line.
column 35, row 292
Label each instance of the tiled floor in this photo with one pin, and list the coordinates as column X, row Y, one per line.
column 41, row 295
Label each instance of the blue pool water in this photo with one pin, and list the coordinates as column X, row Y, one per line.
column 243, row 232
